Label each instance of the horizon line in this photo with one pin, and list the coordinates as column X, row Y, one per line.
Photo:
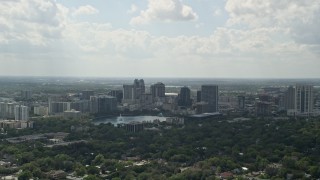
column 164, row 77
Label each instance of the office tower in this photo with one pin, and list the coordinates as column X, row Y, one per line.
column 7, row 110
column 289, row 98
column 146, row 100
column 198, row 96
column 26, row 95
column 11, row 110
column 280, row 101
column 241, row 102
column 184, row 97
column 132, row 92
column 94, row 104
column 107, row 104
column 209, row 94
column 128, row 92
column 86, row 94
column 263, row 108
column 138, row 88
column 158, row 90
column 58, row 107
column 82, row 106
column 21, row 113
column 304, row 99
column 264, row 97
column 3, row 107
column 117, row 94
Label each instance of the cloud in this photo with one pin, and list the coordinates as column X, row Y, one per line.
column 132, row 9
column 85, row 10
column 300, row 18
column 217, row 12
column 43, row 33
column 36, row 21
column 165, row 10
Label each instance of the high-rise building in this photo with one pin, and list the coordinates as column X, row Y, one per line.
column 184, row 97
column 158, row 90
column 264, row 97
column 241, row 102
column 128, row 92
column 263, row 108
column 86, row 94
column 94, row 104
column 58, row 107
column 21, row 113
column 26, row 95
column 117, row 94
column 7, row 110
column 210, row 95
column 82, row 106
column 106, row 104
column 304, row 100
column 198, row 96
column 139, row 88
column 132, row 92
column 146, row 101
column 289, row 98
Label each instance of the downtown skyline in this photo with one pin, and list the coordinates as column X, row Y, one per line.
column 169, row 38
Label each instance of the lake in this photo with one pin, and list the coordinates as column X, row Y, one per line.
column 126, row 119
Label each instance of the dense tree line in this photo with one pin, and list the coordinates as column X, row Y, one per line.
column 199, row 149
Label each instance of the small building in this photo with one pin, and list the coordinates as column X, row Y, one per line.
column 205, row 116
column 134, row 126
column 41, row 110
column 175, row 120
column 57, row 174
column 226, row 175
column 73, row 114
column 15, row 124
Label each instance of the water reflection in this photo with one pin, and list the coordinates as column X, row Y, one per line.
column 126, row 119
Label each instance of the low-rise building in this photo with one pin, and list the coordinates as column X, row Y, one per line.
column 73, row 114
column 134, row 126
column 15, row 124
column 41, row 110
column 175, row 120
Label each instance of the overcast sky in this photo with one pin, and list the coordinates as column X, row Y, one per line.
column 161, row 38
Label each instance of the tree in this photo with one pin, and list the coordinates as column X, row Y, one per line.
column 80, row 170
column 93, row 170
column 25, row 175
column 91, row 177
column 98, row 160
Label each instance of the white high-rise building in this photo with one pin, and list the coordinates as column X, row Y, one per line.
column 21, row 112
column 132, row 92
column 304, row 100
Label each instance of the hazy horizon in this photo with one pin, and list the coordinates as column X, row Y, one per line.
column 168, row 38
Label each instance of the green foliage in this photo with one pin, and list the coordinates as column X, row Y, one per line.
column 91, row 177
column 93, row 170
column 216, row 146
column 25, row 175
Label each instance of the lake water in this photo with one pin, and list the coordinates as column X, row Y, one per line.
column 126, row 119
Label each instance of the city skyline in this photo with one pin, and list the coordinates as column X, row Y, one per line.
column 170, row 38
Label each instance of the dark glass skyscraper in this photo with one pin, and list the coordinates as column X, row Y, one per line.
column 209, row 94
column 184, row 97
column 158, row 90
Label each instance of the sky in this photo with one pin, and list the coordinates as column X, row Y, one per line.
column 160, row 38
